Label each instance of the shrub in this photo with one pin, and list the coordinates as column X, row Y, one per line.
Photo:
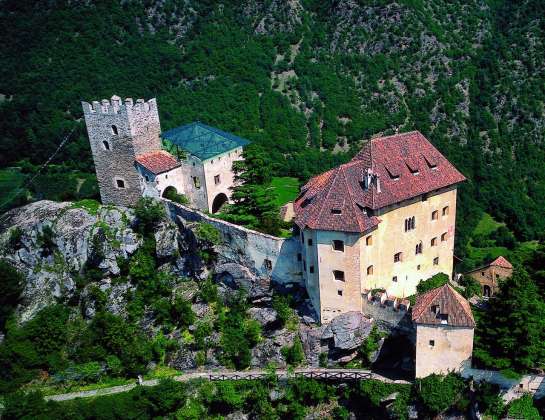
column 523, row 408
column 148, row 214
column 323, row 359
column 205, row 232
column 46, row 241
column 209, row 290
column 370, row 345
column 172, row 195
column 294, row 355
column 281, row 304
column 15, row 237
column 433, row 282
column 438, row 393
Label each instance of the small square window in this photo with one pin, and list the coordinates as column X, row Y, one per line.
column 432, row 343
column 146, row 178
column 336, row 211
column 418, row 267
column 338, row 275
column 482, row 273
column 397, row 257
column 304, row 265
column 338, row 245
column 435, row 215
column 369, row 240
column 433, row 241
column 311, row 269
column 436, row 261
column 394, row 279
column 166, row 176
column 197, row 182
column 299, row 257
column 340, row 292
column 444, row 237
column 120, row 183
column 445, row 211
column 216, row 179
column 268, row 264
column 309, row 242
column 370, row 270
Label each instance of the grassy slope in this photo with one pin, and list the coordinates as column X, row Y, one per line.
column 286, row 189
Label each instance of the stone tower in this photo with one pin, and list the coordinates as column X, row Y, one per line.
column 118, row 132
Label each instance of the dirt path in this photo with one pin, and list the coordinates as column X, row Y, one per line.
column 329, row 374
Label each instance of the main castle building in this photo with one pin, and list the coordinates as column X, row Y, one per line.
column 384, row 220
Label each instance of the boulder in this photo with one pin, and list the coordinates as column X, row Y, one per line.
column 347, row 331
column 233, row 276
column 188, row 290
column 311, row 340
column 166, row 240
column 265, row 316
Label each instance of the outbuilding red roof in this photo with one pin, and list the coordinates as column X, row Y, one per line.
column 388, row 170
column 501, row 262
column 158, row 162
column 443, row 306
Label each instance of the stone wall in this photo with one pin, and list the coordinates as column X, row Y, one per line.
column 264, row 255
column 390, row 319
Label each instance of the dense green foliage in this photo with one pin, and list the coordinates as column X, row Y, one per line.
column 433, row 282
column 11, row 284
column 306, row 87
column 438, row 393
column 511, row 332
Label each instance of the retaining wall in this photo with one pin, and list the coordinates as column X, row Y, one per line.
column 265, row 255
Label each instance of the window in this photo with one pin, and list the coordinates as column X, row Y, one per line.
column 338, row 275
column 299, row 257
column 146, row 178
column 482, row 273
column 105, row 145
column 114, row 130
column 166, row 176
column 434, row 215
column 309, row 242
column 370, row 270
column 434, row 309
column 497, row 276
column 418, row 248
column 304, row 265
column 311, row 269
column 436, row 261
column 394, row 279
column 433, row 241
column 302, row 238
column 336, row 211
column 432, row 343
column 418, row 267
column 445, row 211
column 338, row 245
column 443, row 318
column 397, row 256
column 340, row 292
column 212, row 161
column 410, row 223
column 369, row 240
column 268, row 264
column 120, row 183
column 443, row 237
column 197, row 182
column 424, row 197
column 216, row 179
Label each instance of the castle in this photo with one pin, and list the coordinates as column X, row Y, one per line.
column 131, row 161
column 375, row 226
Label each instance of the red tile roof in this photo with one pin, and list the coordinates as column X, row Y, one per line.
column 402, row 166
column 158, row 162
column 449, row 302
column 501, row 262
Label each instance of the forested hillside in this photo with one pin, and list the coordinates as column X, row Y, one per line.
column 307, row 80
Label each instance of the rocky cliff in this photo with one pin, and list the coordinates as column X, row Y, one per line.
column 84, row 257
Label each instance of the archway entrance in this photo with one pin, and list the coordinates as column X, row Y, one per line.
column 170, row 192
column 486, row 291
column 218, row 202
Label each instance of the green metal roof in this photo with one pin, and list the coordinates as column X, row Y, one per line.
column 203, row 141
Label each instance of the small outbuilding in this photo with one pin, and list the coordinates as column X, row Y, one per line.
column 490, row 276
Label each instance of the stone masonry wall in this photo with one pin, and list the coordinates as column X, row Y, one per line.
column 248, row 248
column 129, row 129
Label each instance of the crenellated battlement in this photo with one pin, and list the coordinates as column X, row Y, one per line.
column 116, row 106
